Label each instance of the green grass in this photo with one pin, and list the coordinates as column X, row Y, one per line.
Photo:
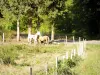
column 22, row 56
column 91, row 64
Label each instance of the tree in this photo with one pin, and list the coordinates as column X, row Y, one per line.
column 54, row 8
column 16, row 7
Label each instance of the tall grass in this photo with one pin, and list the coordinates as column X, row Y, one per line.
column 21, row 57
column 8, row 55
column 90, row 65
column 11, row 52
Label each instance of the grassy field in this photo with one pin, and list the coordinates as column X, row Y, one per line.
column 91, row 64
column 16, row 59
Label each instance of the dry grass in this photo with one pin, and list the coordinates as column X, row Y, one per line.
column 30, row 55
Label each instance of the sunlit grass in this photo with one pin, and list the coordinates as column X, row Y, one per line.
column 26, row 55
column 90, row 65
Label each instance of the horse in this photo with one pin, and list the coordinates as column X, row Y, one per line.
column 43, row 39
column 34, row 37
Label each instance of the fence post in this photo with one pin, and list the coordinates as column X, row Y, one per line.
column 30, row 70
column 73, row 39
column 66, row 39
column 81, row 49
column 71, row 54
column 85, row 44
column 46, row 66
column 79, row 39
column 74, row 52
column 63, row 58
column 56, row 65
column 3, row 38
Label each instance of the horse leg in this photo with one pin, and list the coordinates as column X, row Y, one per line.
column 48, row 40
column 28, row 39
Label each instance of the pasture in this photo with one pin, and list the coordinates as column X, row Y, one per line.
column 16, row 59
column 90, row 65
column 19, row 57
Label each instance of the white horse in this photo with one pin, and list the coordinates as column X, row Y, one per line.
column 34, row 37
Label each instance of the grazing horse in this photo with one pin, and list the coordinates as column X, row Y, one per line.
column 43, row 39
column 34, row 37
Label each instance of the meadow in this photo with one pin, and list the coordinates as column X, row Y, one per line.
column 16, row 59
column 90, row 65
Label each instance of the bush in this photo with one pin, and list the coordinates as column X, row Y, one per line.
column 64, row 70
column 64, row 67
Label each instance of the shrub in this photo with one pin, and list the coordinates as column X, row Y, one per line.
column 64, row 67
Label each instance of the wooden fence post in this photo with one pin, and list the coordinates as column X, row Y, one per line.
column 79, row 39
column 73, row 39
column 46, row 67
column 81, row 49
column 66, row 39
column 85, row 44
column 63, row 58
column 56, row 65
column 30, row 70
column 74, row 52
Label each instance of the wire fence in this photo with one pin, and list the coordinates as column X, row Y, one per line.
column 63, row 63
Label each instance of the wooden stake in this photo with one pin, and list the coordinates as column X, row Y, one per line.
column 56, row 65
column 30, row 70
column 79, row 39
column 73, row 39
column 46, row 68
column 66, row 39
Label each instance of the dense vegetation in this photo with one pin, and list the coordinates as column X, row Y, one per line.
column 70, row 17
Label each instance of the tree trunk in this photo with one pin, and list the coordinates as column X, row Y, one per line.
column 29, row 27
column 29, row 30
column 52, row 33
column 18, row 31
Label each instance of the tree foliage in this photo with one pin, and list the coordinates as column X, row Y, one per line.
column 75, row 17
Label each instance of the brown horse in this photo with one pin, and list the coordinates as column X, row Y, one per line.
column 43, row 39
